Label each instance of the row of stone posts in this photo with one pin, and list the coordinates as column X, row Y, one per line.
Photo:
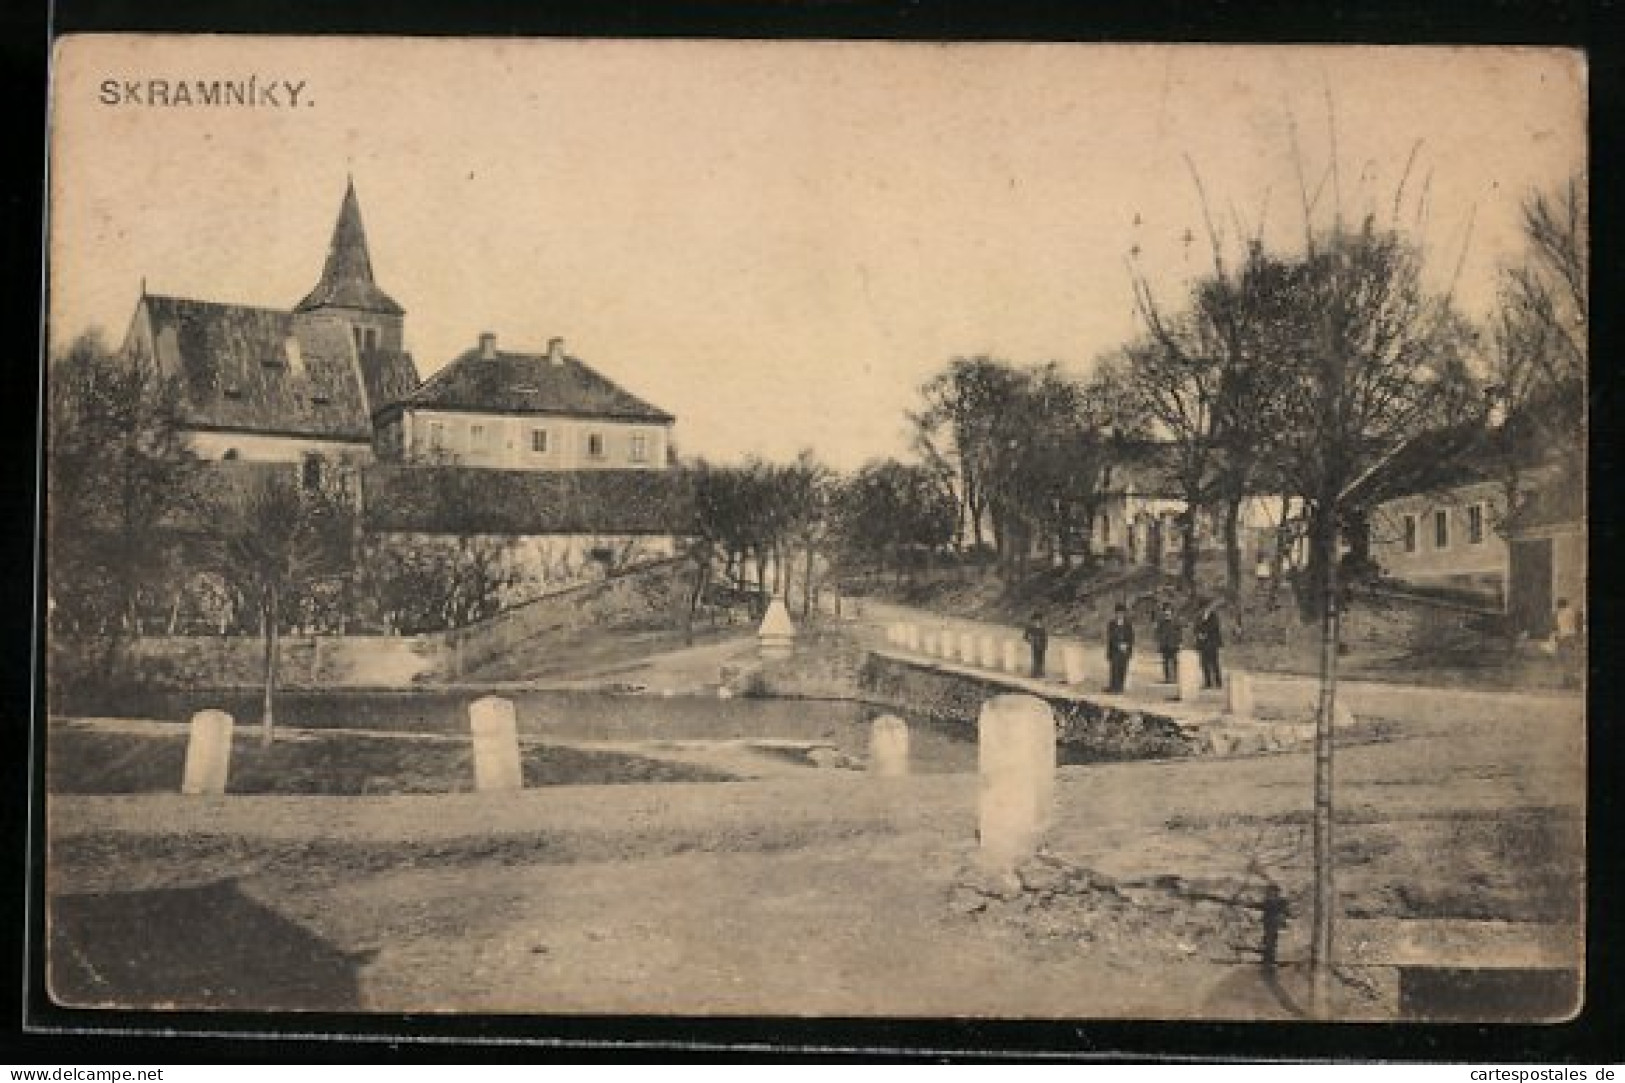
column 492, row 725
column 1016, row 763
column 1007, row 654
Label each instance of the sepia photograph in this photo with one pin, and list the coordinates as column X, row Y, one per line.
column 815, row 529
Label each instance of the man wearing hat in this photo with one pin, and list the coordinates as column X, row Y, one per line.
column 1038, row 640
column 1119, row 648
column 1209, row 638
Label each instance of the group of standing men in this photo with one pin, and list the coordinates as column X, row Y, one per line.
column 1170, row 638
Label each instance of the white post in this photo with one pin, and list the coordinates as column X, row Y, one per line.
column 1012, row 656
column 208, row 754
column 989, row 652
column 1016, row 756
column 496, row 744
column 888, row 747
column 1238, row 694
column 1072, row 662
column 1190, row 676
column 967, row 648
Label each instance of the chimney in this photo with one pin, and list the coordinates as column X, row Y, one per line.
column 488, row 346
column 555, row 351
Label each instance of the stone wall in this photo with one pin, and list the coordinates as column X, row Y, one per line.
column 1087, row 732
column 308, row 661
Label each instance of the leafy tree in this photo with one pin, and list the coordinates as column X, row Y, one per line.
column 895, row 508
column 957, row 430
column 119, row 479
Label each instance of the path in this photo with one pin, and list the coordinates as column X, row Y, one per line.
column 1285, row 695
column 824, row 893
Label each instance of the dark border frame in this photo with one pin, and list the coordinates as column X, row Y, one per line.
column 64, row 1036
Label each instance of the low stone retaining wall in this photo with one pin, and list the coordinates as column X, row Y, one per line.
column 304, row 661
column 1088, row 730
column 1085, row 731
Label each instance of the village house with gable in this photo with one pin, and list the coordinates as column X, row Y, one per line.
column 535, row 454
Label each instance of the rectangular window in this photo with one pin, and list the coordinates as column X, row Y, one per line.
column 1475, row 524
column 1410, row 533
column 595, row 445
column 640, row 448
column 1441, row 529
column 476, row 437
column 538, row 441
column 437, row 436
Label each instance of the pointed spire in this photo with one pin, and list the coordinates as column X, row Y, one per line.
column 347, row 280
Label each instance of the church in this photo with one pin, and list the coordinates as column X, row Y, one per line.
column 536, row 459
column 332, row 380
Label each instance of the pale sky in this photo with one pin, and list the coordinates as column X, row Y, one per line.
column 775, row 241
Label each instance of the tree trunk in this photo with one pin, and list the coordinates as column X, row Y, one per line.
column 272, row 646
column 702, row 573
column 1187, row 551
column 807, row 584
column 1232, row 545
column 1320, row 944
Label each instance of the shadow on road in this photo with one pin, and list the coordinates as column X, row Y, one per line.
column 195, row 947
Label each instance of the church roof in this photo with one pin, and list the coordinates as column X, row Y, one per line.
column 502, row 382
column 347, row 280
column 268, row 371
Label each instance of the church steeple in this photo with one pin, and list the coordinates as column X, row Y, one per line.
column 347, row 276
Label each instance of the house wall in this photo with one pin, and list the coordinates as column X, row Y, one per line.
column 508, row 441
column 259, row 447
column 1461, row 561
column 539, row 564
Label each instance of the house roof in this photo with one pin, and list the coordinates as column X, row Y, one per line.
column 448, row 499
column 521, row 383
column 347, row 280
column 268, row 371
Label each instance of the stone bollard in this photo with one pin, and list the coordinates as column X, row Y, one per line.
column 1012, row 656
column 988, row 652
column 1016, row 756
column 1072, row 662
column 1190, row 676
column 1238, row 695
column 496, row 744
column 967, row 648
column 888, row 747
column 776, row 638
column 208, row 754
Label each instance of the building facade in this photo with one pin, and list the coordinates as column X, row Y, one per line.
column 507, row 410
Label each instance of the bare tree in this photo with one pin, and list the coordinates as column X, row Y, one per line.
column 1373, row 360
column 282, row 537
column 1539, row 340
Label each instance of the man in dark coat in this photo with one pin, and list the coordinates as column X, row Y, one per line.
column 1170, row 637
column 1119, row 648
column 1208, row 641
column 1038, row 640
